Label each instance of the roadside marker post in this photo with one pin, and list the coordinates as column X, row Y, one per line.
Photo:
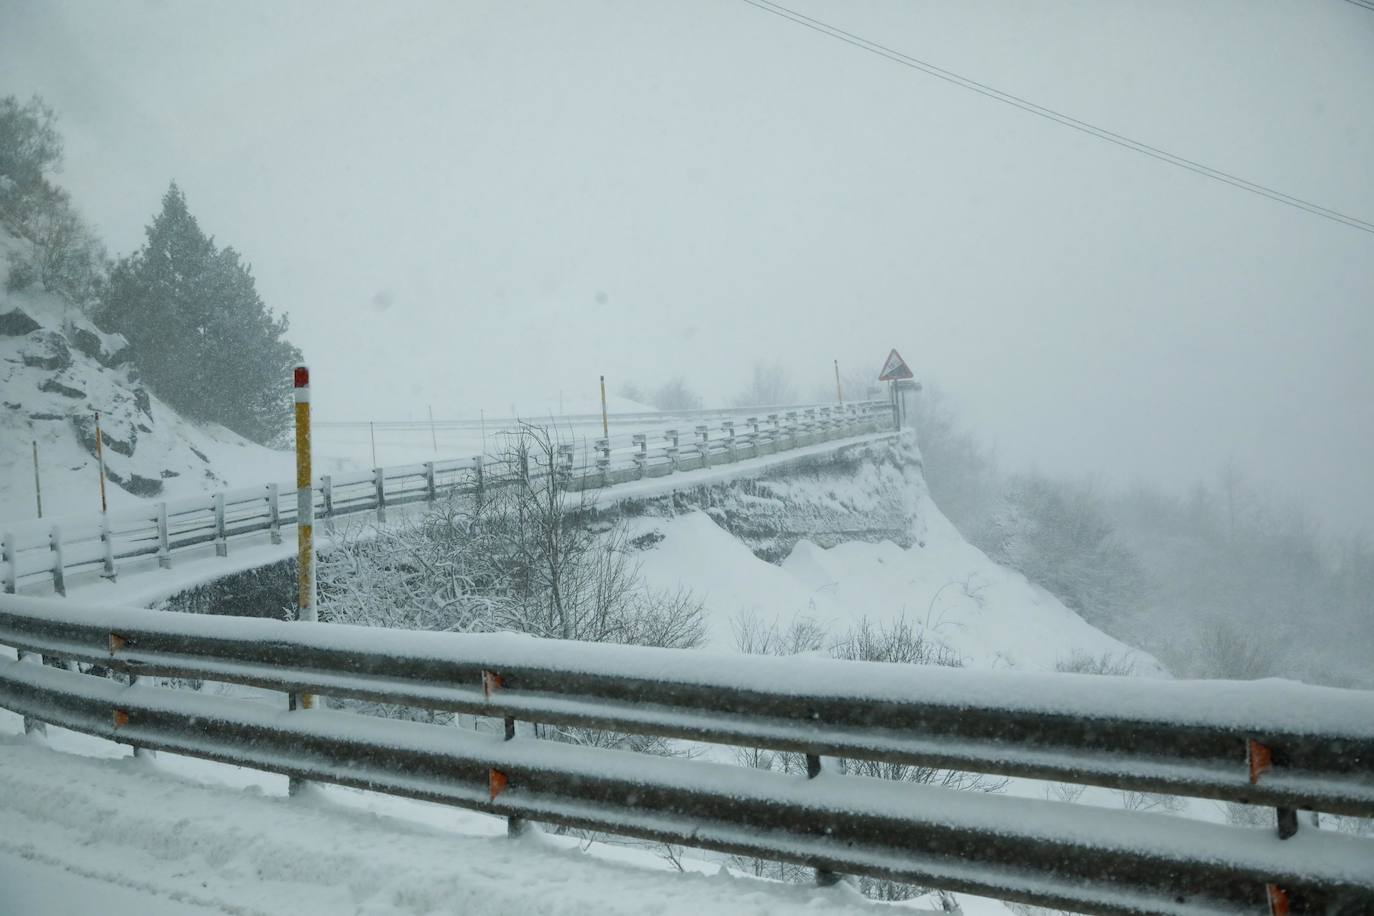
column 37, row 484
column 305, row 517
column 605, row 424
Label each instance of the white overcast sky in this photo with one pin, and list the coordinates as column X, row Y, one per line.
column 468, row 204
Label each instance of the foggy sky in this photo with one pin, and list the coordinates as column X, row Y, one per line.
column 470, row 204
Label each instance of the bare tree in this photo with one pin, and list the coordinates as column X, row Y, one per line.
column 769, row 385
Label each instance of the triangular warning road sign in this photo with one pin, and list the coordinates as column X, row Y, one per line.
column 895, row 368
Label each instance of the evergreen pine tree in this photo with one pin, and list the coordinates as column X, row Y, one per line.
column 197, row 329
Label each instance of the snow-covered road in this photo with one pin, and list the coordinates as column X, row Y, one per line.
column 172, row 836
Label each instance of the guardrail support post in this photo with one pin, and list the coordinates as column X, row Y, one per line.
column 379, row 482
column 704, row 446
column 164, row 544
column 824, row 877
column 671, row 436
column 492, row 682
column 221, row 541
column 10, row 573
column 431, row 487
column 273, row 513
column 106, row 541
column 479, row 482
column 59, row 580
column 326, row 501
column 565, row 463
column 603, row 460
column 32, row 725
column 729, row 427
column 641, row 457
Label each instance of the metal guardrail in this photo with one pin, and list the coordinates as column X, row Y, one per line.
column 46, row 555
column 1271, row 743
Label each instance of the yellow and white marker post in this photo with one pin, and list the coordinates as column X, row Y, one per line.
column 605, row 425
column 305, row 516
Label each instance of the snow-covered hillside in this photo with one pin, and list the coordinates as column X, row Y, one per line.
column 57, row 369
column 922, row 569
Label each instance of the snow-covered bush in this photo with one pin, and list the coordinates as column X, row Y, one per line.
column 521, row 554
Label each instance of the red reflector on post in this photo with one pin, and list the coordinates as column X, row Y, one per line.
column 302, row 377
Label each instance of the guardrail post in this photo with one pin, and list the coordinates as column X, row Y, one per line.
column 107, row 542
column 164, row 541
column 59, row 580
column 641, row 457
column 327, row 499
column 10, row 573
column 603, row 459
column 479, row 482
column 273, row 513
column 32, row 725
column 776, row 431
column 671, row 436
column 492, row 682
column 379, row 482
column 704, row 446
column 824, row 877
column 729, row 427
column 1260, row 759
column 221, row 535
column 431, row 488
column 565, row 463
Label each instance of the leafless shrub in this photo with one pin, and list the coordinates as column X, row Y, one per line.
column 1080, row 662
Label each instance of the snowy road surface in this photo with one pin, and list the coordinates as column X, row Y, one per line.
column 177, row 836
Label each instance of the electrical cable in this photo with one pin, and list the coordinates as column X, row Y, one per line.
column 1058, row 117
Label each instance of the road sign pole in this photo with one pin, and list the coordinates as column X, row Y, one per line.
column 839, row 390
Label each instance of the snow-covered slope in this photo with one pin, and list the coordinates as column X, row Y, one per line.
column 56, row 371
column 987, row 615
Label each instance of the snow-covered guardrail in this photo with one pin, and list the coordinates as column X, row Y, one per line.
column 1271, row 743
column 42, row 556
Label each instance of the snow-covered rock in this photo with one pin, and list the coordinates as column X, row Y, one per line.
column 57, row 371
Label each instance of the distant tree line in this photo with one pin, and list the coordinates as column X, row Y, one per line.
column 200, row 335
column 1223, row 581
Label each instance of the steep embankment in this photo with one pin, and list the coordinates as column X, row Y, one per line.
column 851, row 536
column 57, row 369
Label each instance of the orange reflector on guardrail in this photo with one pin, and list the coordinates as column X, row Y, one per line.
column 498, row 782
column 491, row 682
column 1278, row 900
column 121, row 718
column 1261, row 760
column 117, row 642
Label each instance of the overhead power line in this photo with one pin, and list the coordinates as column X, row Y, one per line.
column 1058, row 117
column 1365, row 4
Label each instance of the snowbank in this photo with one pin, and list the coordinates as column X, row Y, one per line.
column 989, row 616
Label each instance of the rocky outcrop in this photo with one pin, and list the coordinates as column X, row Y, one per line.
column 109, row 350
column 46, row 350
column 16, row 323
column 53, row 386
